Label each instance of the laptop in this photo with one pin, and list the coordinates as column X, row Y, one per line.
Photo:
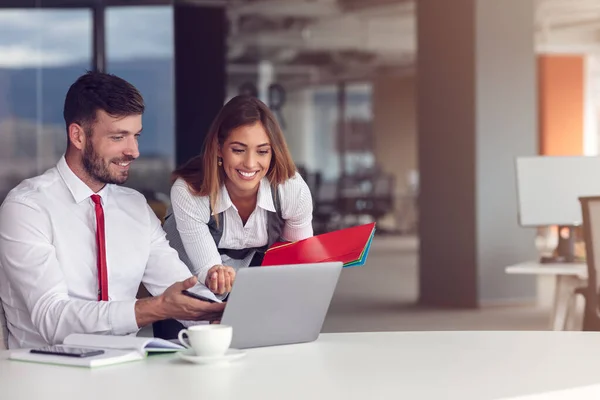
column 282, row 304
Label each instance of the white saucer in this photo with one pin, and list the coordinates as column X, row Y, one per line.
column 230, row 355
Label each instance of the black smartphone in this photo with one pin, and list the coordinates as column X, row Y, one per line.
column 67, row 351
column 197, row 296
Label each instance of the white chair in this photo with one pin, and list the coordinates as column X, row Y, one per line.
column 3, row 330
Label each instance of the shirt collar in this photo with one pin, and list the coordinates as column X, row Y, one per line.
column 79, row 190
column 223, row 202
column 264, row 199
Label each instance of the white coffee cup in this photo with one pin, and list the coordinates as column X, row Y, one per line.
column 207, row 340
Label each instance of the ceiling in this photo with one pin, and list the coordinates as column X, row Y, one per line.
column 316, row 41
column 324, row 39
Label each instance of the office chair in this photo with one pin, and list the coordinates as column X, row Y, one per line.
column 590, row 210
column 3, row 330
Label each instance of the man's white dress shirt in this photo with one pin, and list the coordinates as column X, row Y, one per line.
column 48, row 264
column 192, row 213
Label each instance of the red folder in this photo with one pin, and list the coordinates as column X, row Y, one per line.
column 350, row 246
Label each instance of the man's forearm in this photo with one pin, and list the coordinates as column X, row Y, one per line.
column 149, row 310
column 58, row 316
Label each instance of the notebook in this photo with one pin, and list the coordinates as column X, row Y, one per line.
column 350, row 246
column 142, row 345
column 117, row 350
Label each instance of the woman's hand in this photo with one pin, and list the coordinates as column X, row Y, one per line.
column 220, row 279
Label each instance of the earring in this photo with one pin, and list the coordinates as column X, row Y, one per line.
column 219, row 161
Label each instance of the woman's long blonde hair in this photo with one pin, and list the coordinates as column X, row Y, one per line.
column 203, row 175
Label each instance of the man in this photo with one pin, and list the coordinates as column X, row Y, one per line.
column 74, row 246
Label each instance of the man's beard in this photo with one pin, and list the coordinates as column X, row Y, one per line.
column 99, row 170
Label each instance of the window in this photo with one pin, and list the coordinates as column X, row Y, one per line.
column 42, row 52
column 139, row 48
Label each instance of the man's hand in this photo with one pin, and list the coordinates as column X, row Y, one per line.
column 220, row 279
column 173, row 304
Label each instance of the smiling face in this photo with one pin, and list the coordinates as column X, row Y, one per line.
column 109, row 149
column 246, row 156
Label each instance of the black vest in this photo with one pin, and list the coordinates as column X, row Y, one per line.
column 275, row 224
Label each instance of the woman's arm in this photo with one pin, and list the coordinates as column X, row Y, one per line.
column 296, row 209
column 192, row 214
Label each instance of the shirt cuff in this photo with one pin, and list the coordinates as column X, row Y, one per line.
column 202, row 276
column 294, row 234
column 122, row 317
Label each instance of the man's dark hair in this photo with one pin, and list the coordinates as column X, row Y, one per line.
column 100, row 91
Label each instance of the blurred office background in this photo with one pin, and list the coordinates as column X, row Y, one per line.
column 373, row 96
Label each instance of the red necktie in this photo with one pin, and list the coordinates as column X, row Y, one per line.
column 101, row 245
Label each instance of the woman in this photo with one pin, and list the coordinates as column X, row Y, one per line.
column 241, row 195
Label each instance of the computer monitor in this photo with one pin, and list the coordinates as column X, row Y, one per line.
column 548, row 191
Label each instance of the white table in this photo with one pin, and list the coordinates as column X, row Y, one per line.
column 569, row 276
column 394, row 365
